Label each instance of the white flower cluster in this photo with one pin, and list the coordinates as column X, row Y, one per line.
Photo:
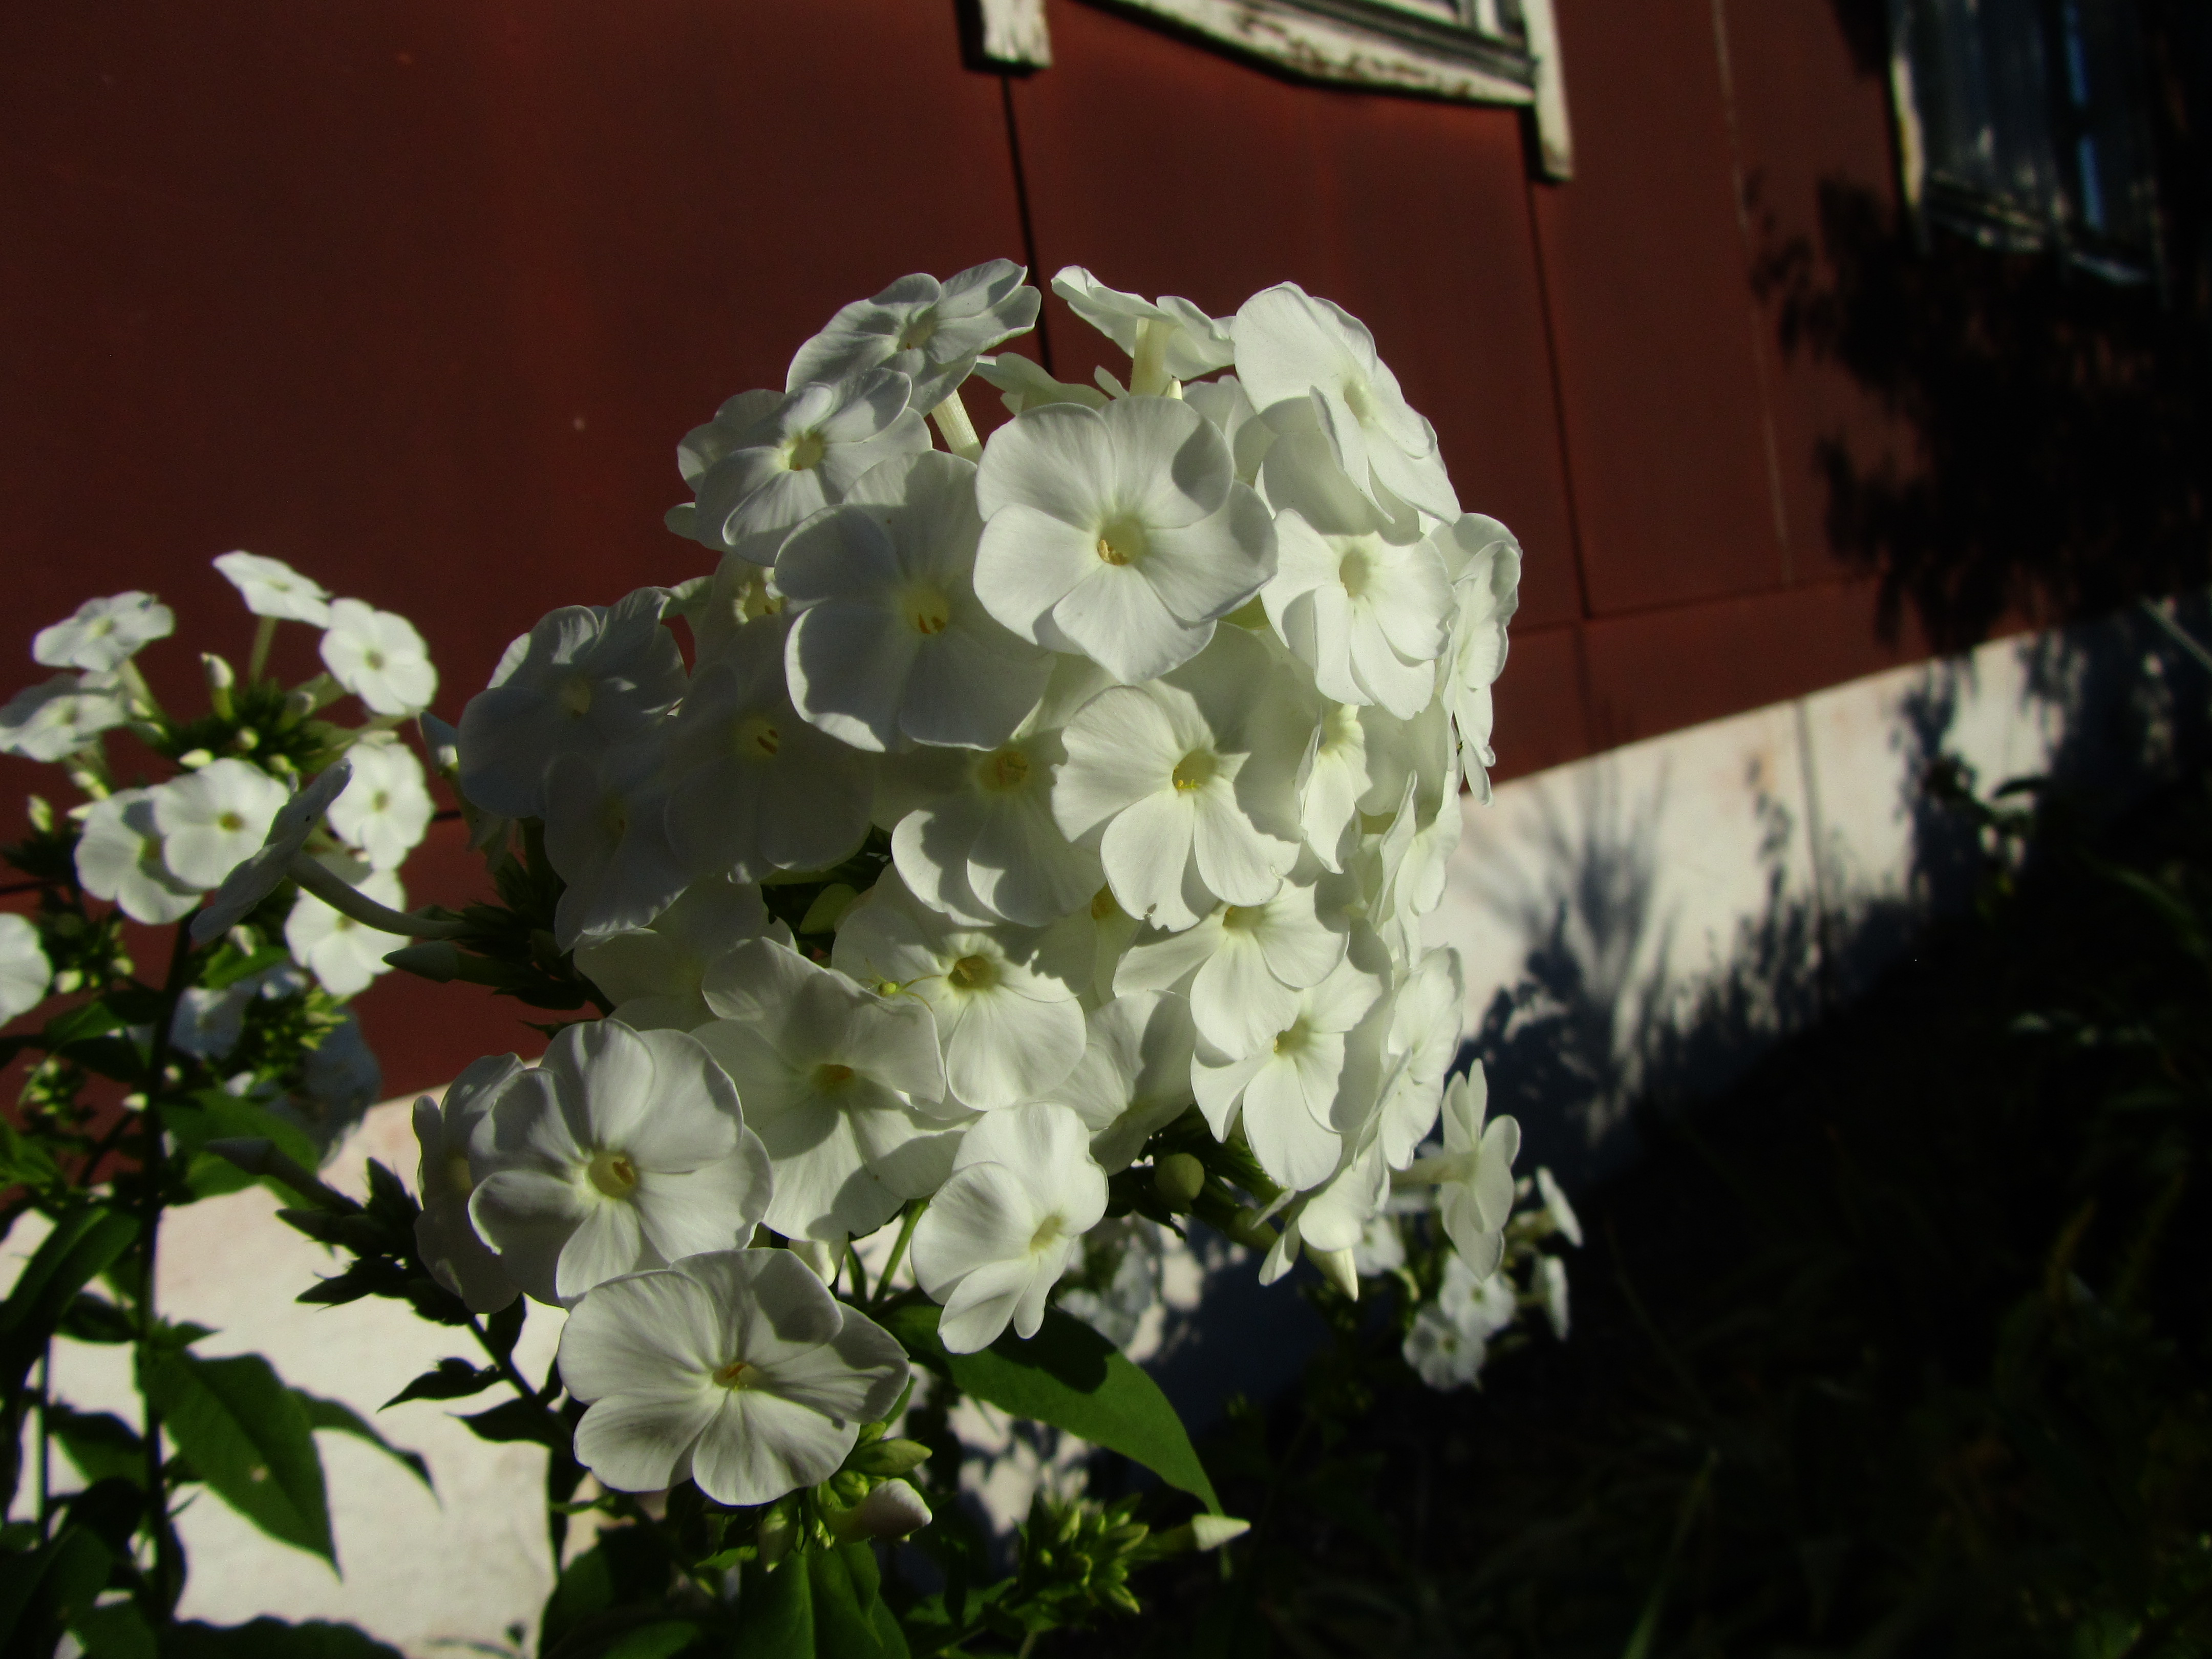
column 1161, row 704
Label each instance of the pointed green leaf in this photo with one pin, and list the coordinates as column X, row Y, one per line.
column 850, row 1619
column 342, row 1418
column 84, row 1242
column 44, row 1590
column 775, row 1614
column 102, row 1445
column 454, row 1379
column 520, row 1419
column 118, row 1631
column 271, row 1638
column 249, row 1438
column 1072, row 1377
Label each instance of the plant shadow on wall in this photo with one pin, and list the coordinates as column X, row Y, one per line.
column 2059, row 421
column 1897, row 1346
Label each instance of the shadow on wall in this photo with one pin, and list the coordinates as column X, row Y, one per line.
column 2061, row 422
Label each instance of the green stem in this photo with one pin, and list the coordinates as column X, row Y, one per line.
column 263, row 635
column 46, row 1437
column 898, row 1252
column 167, row 1570
column 858, row 1275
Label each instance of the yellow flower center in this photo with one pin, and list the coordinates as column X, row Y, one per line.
column 1356, row 569
column 1122, row 542
column 231, row 822
column 829, row 1077
column 927, row 609
column 456, row 1174
column 974, row 974
column 613, row 1173
column 1049, row 1232
column 1103, row 904
column 576, row 695
column 739, row 1374
column 917, row 334
column 1241, row 915
column 803, row 452
column 1195, row 770
column 1291, row 1040
column 1004, row 769
column 756, row 738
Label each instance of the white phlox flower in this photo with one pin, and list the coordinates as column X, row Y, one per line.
column 1095, row 936
column 718, row 608
column 208, row 1023
column 1474, row 1173
column 1023, row 384
column 1169, row 340
column 1551, row 1288
column 103, row 634
column 777, row 463
column 605, row 832
column 1119, row 532
column 344, row 954
column 339, row 1081
column 261, row 874
column 1330, row 1221
column 621, row 1150
column 1008, row 1023
column 842, row 1086
column 1356, row 761
column 1414, row 853
column 652, row 975
column 974, row 835
column 930, row 332
column 385, row 809
column 1427, row 1012
column 1484, row 560
column 214, row 819
column 752, row 787
column 272, row 588
column 1186, row 785
column 53, row 720
column 1008, row 1223
column 1249, row 438
column 587, row 679
column 449, row 1247
column 25, row 970
column 1360, row 597
column 1295, row 1088
column 1313, row 356
column 735, row 1369
column 1241, row 966
column 1381, row 1249
column 889, row 645
column 1557, row 1210
column 379, row 657
column 1117, row 1310
column 1134, row 1075
column 118, row 859
column 1451, row 1338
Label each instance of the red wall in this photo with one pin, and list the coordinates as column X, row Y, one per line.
column 418, row 294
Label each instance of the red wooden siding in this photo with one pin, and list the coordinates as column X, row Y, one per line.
column 419, row 295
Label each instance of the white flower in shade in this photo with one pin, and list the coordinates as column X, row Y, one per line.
column 1411, row 857
column 734, row 1369
column 889, row 645
column 974, row 835
column 1294, row 348
column 1557, row 1210
column 587, row 679
column 652, row 975
column 1451, row 1338
column 272, row 588
column 1169, row 339
column 1005, row 998
column 1381, row 1249
column 1293, row 1088
column 53, row 720
column 1474, row 1172
column 1185, row 786
column 118, row 857
column 1126, row 1253
column 209, row 1023
column 1359, row 596
column 379, row 657
column 1008, row 1223
column 842, row 1085
column 103, row 634
column 449, row 1245
column 1330, row 1221
column 1024, row 385
column 1119, row 532
column 339, row 1081
column 385, row 809
column 606, row 835
column 622, row 1150
column 929, row 331
column 775, row 464
column 345, row 954
column 1094, row 937
column 1249, row 438
column 1241, row 966
column 213, row 820
column 1427, row 1012
column 1356, row 761
column 1134, row 1075
column 260, row 875
column 25, row 972
column 1485, row 563
column 1552, row 1286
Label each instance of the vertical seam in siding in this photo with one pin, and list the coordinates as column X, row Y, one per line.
column 1021, row 208
column 1558, row 400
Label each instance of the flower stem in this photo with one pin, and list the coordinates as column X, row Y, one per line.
column 898, row 1252
column 168, row 1570
column 958, row 431
column 349, row 901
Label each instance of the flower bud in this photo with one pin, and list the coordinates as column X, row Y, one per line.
column 1178, row 1177
column 819, row 1254
column 220, row 679
column 435, row 960
column 1336, row 1267
column 888, row 1457
column 1211, row 1532
column 891, row 1510
column 773, row 1538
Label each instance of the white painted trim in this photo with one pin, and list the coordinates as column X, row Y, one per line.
column 1015, row 34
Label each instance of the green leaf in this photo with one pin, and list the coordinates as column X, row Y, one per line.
column 454, row 1379
column 1072, row 1377
column 45, row 1589
column 850, row 1619
column 271, row 1638
column 342, row 1418
column 94, row 1319
column 85, row 1240
column 116, row 1631
column 211, row 1114
column 520, row 1419
column 250, row 1439
column 88, row 1019
column 775, row 1614
column 101, row 1444
column 658, row 1640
